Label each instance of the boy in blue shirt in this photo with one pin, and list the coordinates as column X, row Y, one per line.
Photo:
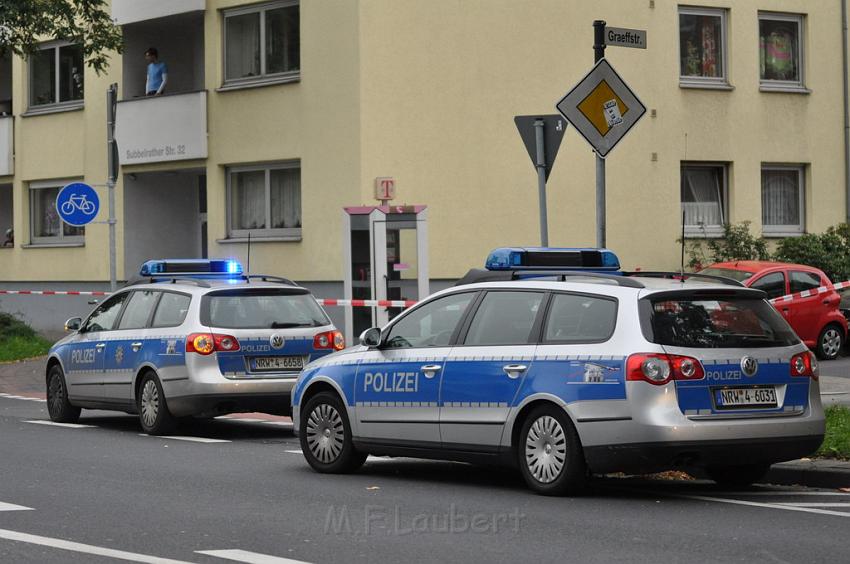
column 157, row 73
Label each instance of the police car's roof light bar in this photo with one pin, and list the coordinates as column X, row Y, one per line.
column 549, row 258
column 168, row 268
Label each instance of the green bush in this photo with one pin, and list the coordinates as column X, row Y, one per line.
column 828, row 251
column 737, row 243
column 11, row 326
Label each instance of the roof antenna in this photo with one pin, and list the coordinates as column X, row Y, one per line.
column 248, row 272
column 682, row 267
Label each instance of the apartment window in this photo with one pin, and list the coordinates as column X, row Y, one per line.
column 56, row 75
column 702, row 46
column 781, row 50
column 704, row 198
column 265, row 201
column 262, row 43
column 7, row 235
column 45, row 225
column 782, row 197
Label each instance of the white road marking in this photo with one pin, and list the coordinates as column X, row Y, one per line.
column 765, row 505
column 798, row 504
column 55, row 424
column 13, row 507
column 294, row 451
column 85, row 548
column 279, row 423
column 249, row 557
column 181, row 438
column 10, row 396
column 779, row 492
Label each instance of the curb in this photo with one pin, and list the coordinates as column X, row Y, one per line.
column 814, row 474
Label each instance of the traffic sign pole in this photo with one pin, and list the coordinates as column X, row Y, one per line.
column 598, row 54
column 541, row 180
column 112, row 175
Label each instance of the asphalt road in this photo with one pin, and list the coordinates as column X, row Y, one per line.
column 107, row 488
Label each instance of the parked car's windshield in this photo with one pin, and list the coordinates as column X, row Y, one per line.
column 739, row 275
column 724, row 322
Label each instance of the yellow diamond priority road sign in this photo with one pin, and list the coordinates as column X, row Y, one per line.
column 602, row 108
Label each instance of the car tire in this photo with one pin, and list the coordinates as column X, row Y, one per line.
column 154, row 416
column 737, row 476
column 325, row 435
column 830, row 342
column 58, row 406
column 549, row 453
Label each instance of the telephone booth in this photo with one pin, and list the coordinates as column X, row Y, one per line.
column 386, row 258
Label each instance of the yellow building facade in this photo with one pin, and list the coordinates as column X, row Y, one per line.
column 276, row 115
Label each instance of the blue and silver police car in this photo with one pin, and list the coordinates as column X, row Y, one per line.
column 565, row 373
column 190, row 338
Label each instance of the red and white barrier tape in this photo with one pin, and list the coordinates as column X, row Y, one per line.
column 51, row 293
column 325, row 302
column 812, row 292
column 402, row 303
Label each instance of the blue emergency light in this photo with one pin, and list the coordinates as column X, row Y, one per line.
column 549, row 258
column 191, row 267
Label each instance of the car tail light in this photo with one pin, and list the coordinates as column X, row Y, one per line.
column 329, row 340
column 804, row 365
column 659, row 369
column 208, row 343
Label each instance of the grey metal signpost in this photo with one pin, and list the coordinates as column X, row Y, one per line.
column 599, row 54
column 542, row 137
column 112, row 176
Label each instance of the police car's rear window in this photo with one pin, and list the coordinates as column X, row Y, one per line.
column 721, row 322
column 261, row 309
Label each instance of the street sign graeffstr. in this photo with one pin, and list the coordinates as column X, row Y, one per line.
column 624, row 37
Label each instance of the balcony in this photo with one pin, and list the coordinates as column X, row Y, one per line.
column 131, row 11
column 158, row 129
column 7, row 145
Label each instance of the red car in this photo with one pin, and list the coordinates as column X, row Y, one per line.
column 816, row 318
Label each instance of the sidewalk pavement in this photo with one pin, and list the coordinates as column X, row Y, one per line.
column 28, row 377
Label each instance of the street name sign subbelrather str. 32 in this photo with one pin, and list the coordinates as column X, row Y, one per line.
column 602, row 108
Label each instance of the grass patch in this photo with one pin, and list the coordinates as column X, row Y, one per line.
column 19, row 341
column 836, row 443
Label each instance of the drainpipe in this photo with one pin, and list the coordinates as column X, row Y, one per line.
column 846, row 109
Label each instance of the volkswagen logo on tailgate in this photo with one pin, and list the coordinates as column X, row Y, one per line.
column 276, row 341
column 749, row 366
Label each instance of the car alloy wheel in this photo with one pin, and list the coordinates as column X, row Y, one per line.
column 56, row 394
column 831, row 342
column 325, row 433
column 149, row 403
column 545, row 449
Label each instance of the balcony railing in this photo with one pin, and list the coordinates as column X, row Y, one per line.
column 158, row 129
column 130, row 11
column 7, row 145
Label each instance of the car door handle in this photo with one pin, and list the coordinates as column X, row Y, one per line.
column 136, row 346
column 100, row 346
column 430, row 370
column 514, row 370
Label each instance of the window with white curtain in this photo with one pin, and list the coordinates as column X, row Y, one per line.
column 46, row 227
column 782, row 197
column 264, row 201
column 704, row 198
column 262, row 43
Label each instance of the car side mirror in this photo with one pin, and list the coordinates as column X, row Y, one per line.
column 371, row 337
column 73, row 324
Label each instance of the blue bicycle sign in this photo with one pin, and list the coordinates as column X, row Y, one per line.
column 77, row 204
